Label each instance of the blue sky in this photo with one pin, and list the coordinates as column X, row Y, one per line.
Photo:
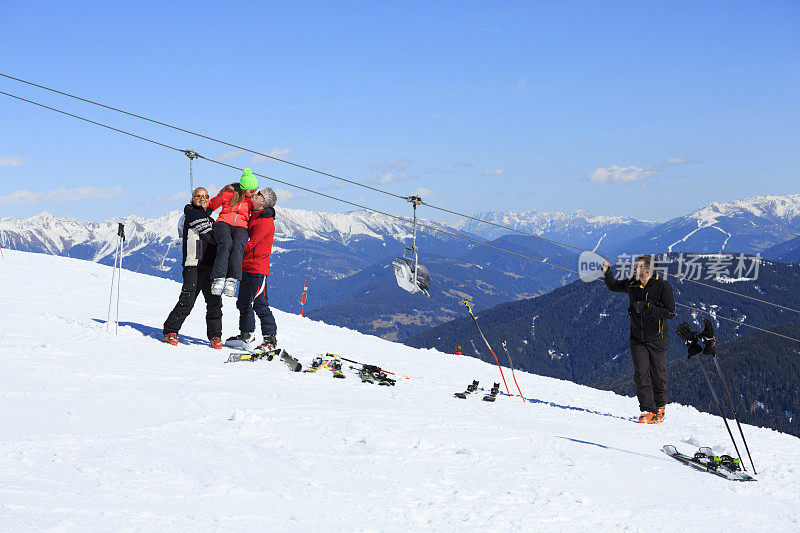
column 643, row 109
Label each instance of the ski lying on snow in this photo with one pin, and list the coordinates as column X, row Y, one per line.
column 253, row 356
column 269, row 355
column 724, row 466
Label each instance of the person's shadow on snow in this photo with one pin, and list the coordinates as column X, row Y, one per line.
column 156, row 333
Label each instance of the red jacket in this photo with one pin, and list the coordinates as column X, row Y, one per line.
column 259, row 247
column 238, row 216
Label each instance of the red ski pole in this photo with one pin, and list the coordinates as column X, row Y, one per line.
column 303, row 300
column 510, row 362
column 488, row 346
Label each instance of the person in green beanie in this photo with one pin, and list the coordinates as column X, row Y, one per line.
column 230, row 232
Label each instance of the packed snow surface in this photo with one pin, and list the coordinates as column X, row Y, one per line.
column 105, row 431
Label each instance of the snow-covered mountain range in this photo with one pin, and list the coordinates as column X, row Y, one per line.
column 748, row 226
column 109, row 432
column 345, row 255
column 47, row 234
column 579, row 229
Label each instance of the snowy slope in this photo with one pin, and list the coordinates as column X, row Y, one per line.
column 108, row 432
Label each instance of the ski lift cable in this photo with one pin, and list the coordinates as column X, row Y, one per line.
column 92, row 122
column 360, row 206
column 207, row 137
column 222, row 163
column 376, row 189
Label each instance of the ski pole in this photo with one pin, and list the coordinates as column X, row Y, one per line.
column 113, row 277
column 719, row 406
column 488, row 346
column 511, row 363
column 358, row 363
column 735, row 416
column 121, row 234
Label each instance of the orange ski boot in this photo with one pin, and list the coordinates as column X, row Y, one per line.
column 647, row 418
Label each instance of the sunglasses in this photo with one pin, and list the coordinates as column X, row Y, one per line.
column 201, row 196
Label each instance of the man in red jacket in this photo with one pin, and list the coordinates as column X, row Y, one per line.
column 255, row 269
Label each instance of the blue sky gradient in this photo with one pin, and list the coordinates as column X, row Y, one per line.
column 644, row 109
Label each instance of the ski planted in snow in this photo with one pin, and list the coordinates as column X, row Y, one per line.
column 290, row 361
column 472, row 387
column 723, row 466
column 492, row 396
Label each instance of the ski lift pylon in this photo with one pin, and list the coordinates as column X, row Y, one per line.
column 411, row 275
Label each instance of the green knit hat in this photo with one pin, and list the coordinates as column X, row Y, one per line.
column 248, row 181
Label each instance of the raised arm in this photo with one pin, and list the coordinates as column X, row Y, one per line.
column 613, row 284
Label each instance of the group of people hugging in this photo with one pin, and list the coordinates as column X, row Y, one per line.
column 219, row 255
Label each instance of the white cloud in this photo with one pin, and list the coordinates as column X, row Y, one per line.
column 495, row 172
column 280, row 153
column 681, row 161
column 60, row 195
column 10, row 161
column 395, row 177
column 394, row 172
column 284, row 195
column 617, row 174
column 423, row 192
column 232, row 154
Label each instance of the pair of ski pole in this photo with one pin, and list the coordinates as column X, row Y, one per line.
column 692, row 340
column 475, row 321
column 722, row 414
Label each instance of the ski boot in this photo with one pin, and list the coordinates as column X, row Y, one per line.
column 229, row 287
column 244, row 340
column 470, row 389
column 492, row 393
column 647, row 418
column 217, row 286
column 171, row 338
column 270, row 343
column 659, row 415
column 216, row 343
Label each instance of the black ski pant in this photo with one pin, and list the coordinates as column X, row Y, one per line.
column 195, row 281
column 231, row 241
column 650, row 372
column 253, row 297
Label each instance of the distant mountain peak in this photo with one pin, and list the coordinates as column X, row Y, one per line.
column 782, row 206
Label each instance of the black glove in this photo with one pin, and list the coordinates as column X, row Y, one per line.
column 640, row 306
column 707, row 338
column 690, row 339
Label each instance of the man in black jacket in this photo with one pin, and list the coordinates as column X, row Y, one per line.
column 651, row 305
column 199, row 251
